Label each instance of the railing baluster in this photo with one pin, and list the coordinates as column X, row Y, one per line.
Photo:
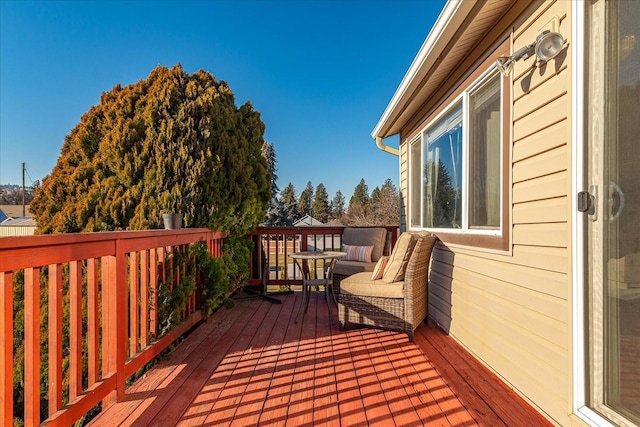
column 153, row 292
column 133, row 304
column 55, row 338
column 32, row 347
column 93, row 352
column 75, row 329
column 144, row 298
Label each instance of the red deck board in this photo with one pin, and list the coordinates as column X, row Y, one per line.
column 266, row 353
column 300, row 412
column 252, row 365
column 325, row 408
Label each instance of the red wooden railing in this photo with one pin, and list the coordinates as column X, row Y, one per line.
column 96, row 295
column 276, row 243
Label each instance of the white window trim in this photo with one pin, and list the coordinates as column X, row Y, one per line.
column 463, row 98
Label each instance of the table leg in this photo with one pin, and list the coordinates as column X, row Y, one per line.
column 305, row 292
column 328, row 288
column 303, row 303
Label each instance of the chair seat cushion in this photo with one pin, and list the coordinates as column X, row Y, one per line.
column 361, row 284
column 347, row 268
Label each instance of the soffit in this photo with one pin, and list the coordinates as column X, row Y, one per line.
column 463, row 30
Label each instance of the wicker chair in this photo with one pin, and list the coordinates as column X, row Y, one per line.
column 398, row 306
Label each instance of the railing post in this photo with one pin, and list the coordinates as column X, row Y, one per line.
column 55, row 338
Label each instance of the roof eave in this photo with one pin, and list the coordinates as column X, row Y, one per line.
column 450, row 20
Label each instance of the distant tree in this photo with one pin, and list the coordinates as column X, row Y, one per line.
column 13, row 195
column 269, row 154
column 305, row 201
column 290, row 204
column 337, row 205
column 375, row 196
column 320, row 208
column 446, row 211
column 360, row 194
column 386, row 207
column 275, row 215
column 173, row 142
column 382, row 208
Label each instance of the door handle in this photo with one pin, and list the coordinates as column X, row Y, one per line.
column 613, row 190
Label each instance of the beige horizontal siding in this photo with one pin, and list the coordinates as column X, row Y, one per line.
column 529, row 277
column 511, row 309
column 546, row 163
column 545, row 187
column 552, row 235
column 548, row 115
column 540, row 141
column 518, row 364
column 531, row 95
column 549, row 210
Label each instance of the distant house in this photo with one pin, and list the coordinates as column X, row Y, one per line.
column 518, row 125
column 317, row 242
column 12, row 223
column 307, row 221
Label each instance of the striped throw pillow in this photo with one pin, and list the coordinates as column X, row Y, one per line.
column 357, row 253
column 378, row 271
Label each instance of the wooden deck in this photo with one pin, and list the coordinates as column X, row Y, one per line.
column 252, row 365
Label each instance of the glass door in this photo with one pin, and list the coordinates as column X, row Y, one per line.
column 613, row 231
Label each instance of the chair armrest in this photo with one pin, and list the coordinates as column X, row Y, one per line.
column 416, row 277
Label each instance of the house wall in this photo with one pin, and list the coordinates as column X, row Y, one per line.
column 511, row 309
column 17, row 230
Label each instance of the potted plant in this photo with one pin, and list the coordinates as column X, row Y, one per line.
column 172, row 218
column 172, row 221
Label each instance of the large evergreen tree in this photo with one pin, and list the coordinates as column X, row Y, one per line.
column 305, row 201
column 320, row 207
column 172, row 142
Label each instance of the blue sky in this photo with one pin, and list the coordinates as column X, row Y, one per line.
column 320, row 73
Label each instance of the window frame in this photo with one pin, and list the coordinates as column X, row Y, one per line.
column 495, row 238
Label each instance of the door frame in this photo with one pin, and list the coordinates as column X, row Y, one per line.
column 578, row 238
column 580, row 280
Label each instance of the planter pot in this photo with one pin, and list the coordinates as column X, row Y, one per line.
column 172, row 221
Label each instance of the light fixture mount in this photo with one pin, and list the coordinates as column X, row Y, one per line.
column 504, row 65
column 547, row 46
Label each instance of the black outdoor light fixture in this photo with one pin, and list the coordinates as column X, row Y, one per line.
column 547, row 46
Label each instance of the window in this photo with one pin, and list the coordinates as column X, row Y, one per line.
column 442, row 194
column 457, row 175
